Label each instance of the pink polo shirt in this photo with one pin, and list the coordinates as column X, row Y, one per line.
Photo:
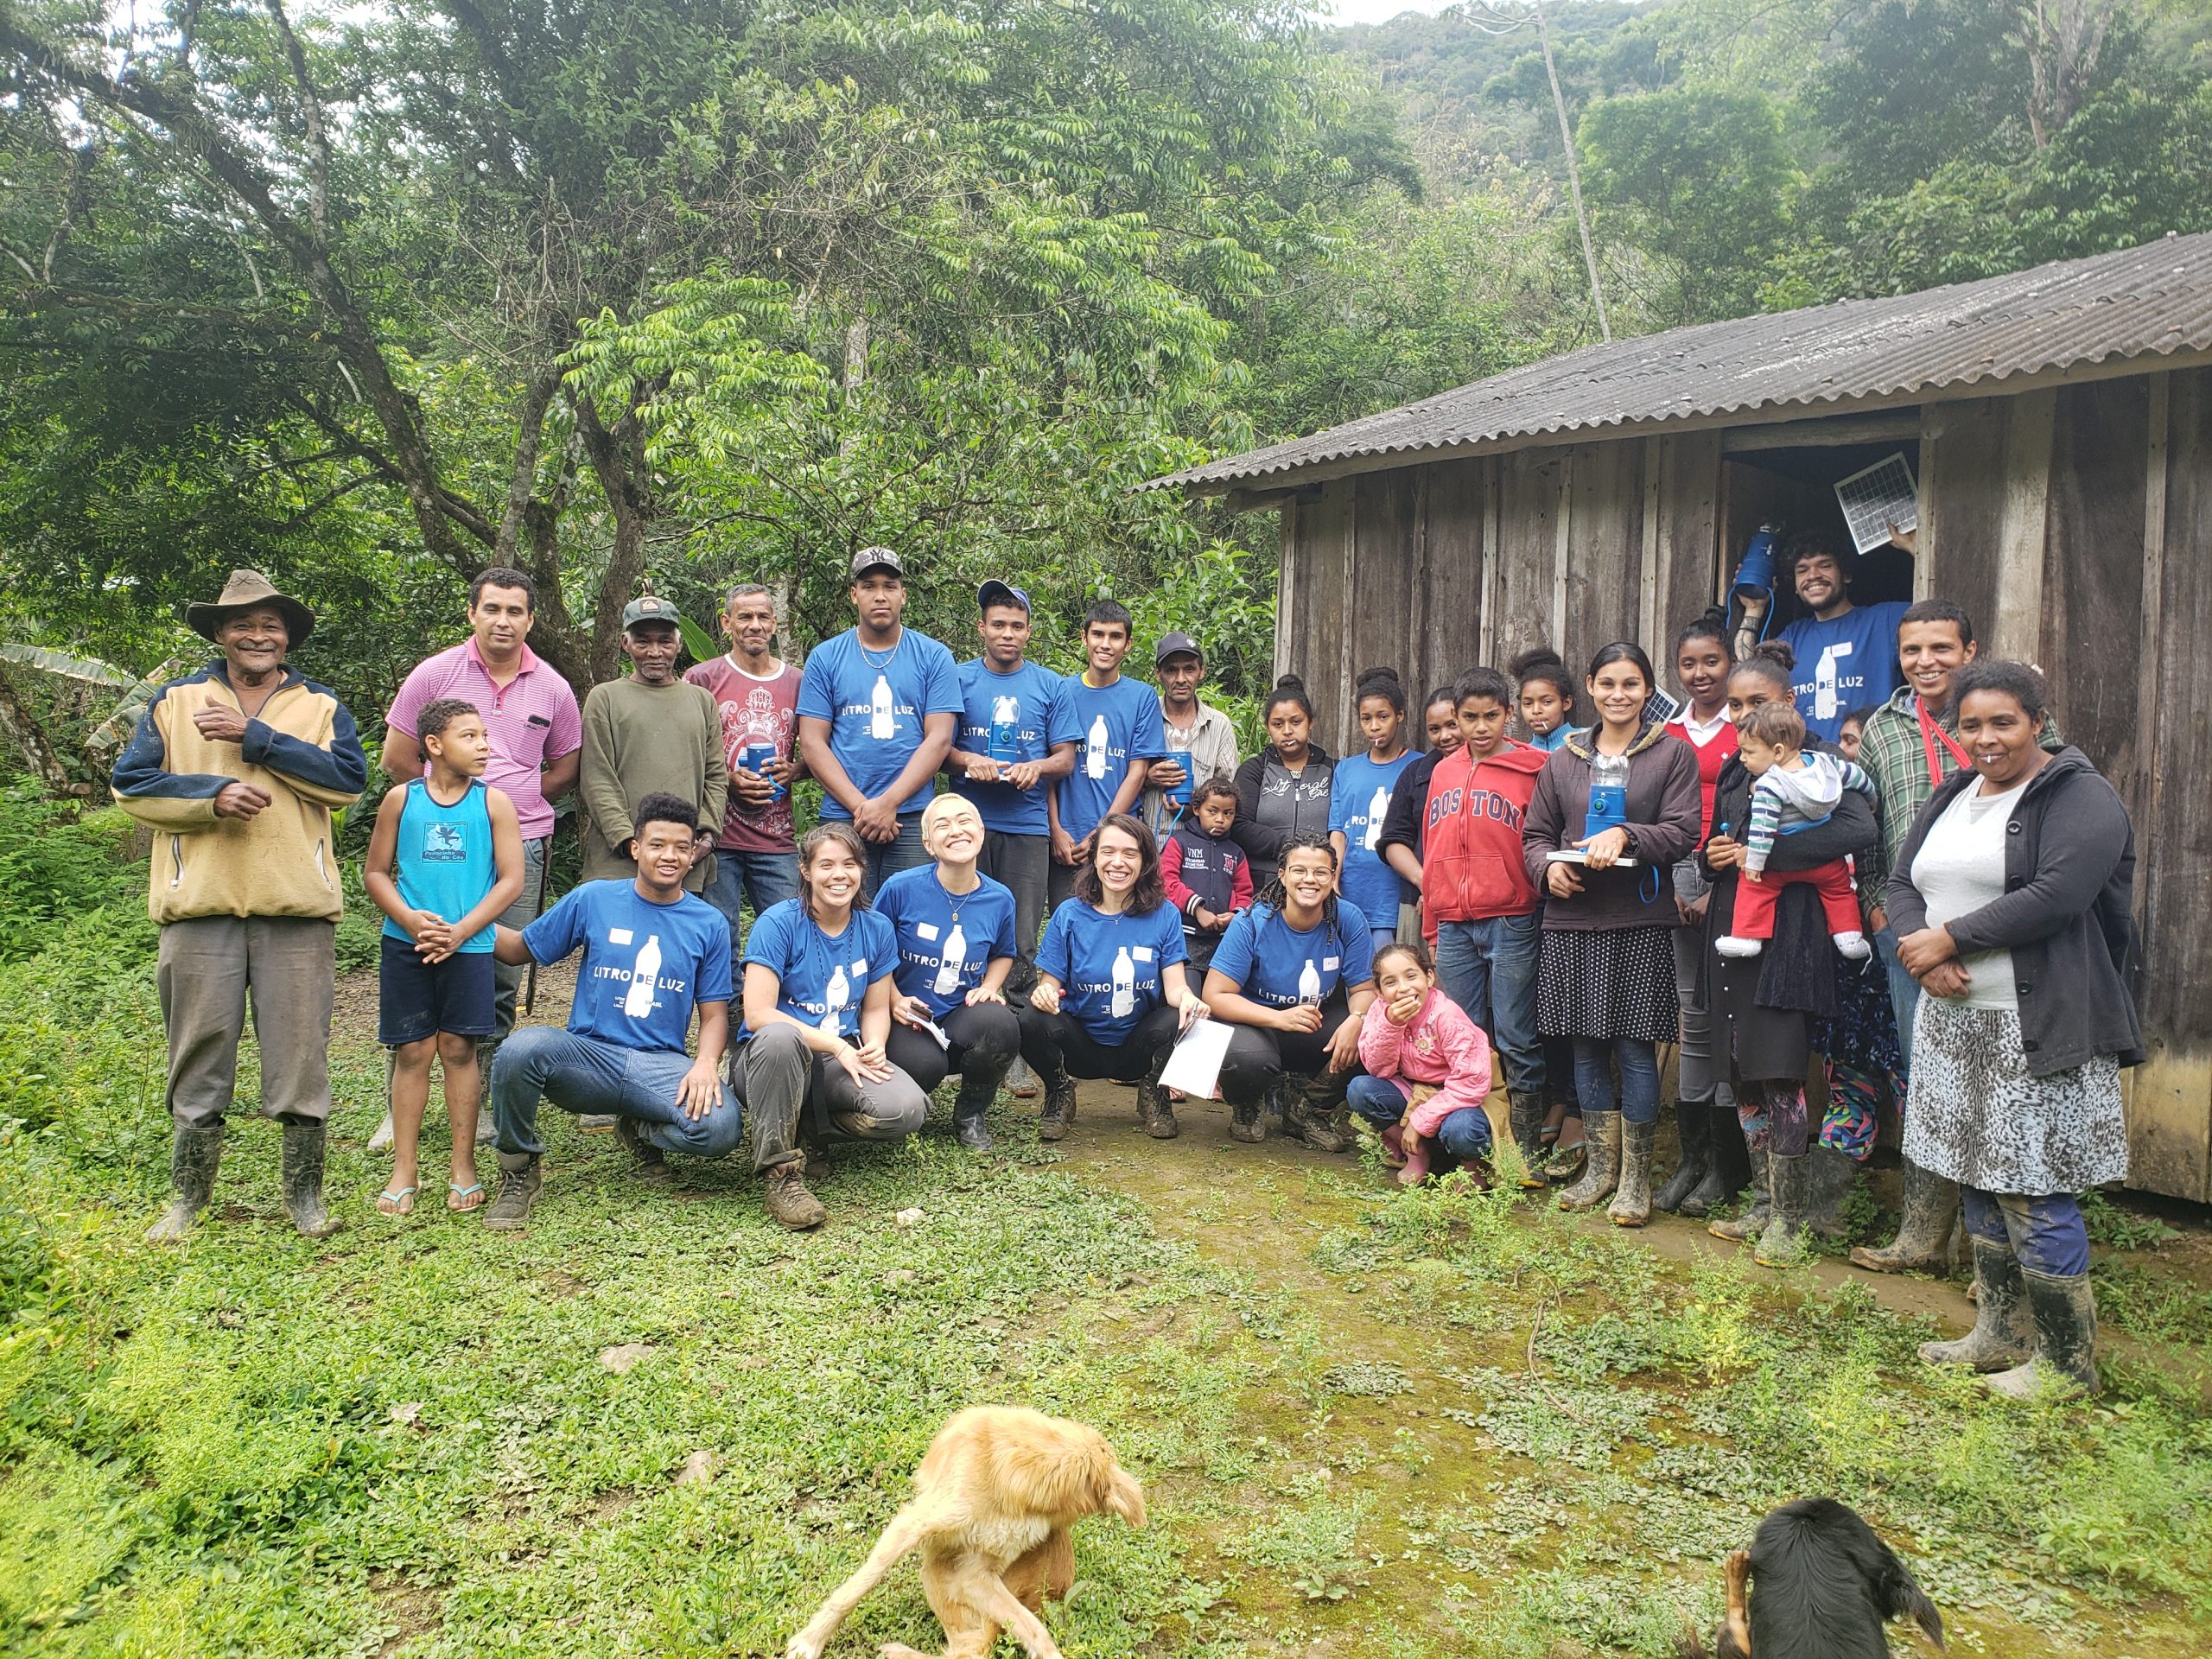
column 532, row 719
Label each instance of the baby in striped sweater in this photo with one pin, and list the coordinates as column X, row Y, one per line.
column 1796, row 788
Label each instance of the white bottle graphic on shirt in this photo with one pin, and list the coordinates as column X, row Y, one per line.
column 949, row 964
column 1309, row 984
column 837, row 996
column 645, row 974
column 879, row 710
column 1125, row 984
column 1377, row 810
column 1094, row 749
column 1826, row 703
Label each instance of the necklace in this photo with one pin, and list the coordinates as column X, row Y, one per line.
column 871, row 657
column 953, row 900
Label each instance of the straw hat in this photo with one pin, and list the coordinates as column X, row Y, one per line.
column 245, row 590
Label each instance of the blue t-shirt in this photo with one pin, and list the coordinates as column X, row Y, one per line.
column 1114, row 726
column 1359, row 800
column 924, row 917
column 1109, row 966
column 818, row 976
column 442, row 860
column 875, row 704
column 645, row 966
column 1268, row 960
column 1031, row 704
column 1850, row 663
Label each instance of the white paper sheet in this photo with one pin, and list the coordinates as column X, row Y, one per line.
column 1195, row 1066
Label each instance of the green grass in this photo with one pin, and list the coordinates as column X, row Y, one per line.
column 1407, row 1424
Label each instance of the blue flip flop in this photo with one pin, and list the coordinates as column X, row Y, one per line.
column 404, row 1200
column 454, row 1194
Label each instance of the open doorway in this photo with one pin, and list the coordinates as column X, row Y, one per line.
column 1793, row 489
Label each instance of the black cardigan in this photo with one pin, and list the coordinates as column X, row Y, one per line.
column 2068, row 912
column 1262, row 843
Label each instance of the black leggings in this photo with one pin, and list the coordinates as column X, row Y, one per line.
column 985, row 1040
column 1259, row 1059
column 1058, row 1048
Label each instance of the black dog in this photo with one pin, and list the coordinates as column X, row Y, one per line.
column 1825, row 1587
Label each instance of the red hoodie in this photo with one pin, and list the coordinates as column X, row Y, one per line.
column 1472, row 865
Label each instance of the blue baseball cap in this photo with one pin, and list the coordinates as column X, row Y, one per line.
column 995, row 592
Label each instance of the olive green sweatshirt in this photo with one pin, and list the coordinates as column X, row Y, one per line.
column 642, row 740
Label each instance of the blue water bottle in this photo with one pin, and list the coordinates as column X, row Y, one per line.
column 758, row 757
column 1005, row 736
column 1180, row 794
column 1608, row 794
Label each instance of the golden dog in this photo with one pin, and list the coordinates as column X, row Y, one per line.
column 993, row 1499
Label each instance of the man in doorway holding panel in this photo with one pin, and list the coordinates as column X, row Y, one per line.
column 1846, row 653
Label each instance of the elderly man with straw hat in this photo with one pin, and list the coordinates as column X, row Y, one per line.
column 237, row 769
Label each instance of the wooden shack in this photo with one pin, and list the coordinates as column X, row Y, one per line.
column 2058, row 422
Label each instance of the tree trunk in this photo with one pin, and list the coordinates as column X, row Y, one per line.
column 21, row 728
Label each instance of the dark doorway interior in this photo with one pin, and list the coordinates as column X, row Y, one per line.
column 1795, row 488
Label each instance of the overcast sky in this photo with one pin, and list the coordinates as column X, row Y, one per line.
column 1373, row 11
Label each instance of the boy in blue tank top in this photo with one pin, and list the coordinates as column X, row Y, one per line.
column 445, row 862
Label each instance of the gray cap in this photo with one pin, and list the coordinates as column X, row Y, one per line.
column 875, row 559
column 995, row 592
column 648, row 608
column 1175, row 644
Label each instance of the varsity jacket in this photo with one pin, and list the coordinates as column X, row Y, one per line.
column 302, row 749
column 1201, row 871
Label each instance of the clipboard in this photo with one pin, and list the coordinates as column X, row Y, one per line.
column 1194, row 1067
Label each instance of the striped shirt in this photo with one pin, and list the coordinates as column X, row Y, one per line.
column 1783, row 801
column 532, row 719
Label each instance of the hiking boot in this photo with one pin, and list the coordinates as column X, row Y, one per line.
column 1563, row 1164
column 1601, row 1135
column 1154, row 1111
column 968, row 1106
column 1245, row 1122
column 653, row 1163
column 2065, row 1313
column 520, row 1178
column 1631, row 1205
column 195, row 1155
column 596, row 1122
column 1312, row 1114
column 1834, row 1175
column 1527, row 1116
column 1272, row 1116
column 1058, row 1111
column 1695, row 1125
column 301, row 1180
column 789, row 1202
column 1753, row 1221
column 1923, row 1243
column 1786, row 1242
column 2004, row 1330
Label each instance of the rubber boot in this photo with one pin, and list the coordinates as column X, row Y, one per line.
column 969, row 1106
column 1394, row 1145
column 1923, row 1243
column 2065, row 1314
column 521, row 1176
column 1631, row 1205
column 1753, row 1221
column 1786, row 1242
column 1695, row 1128
column 1247, row 1122
column 2004, row 1330
column 1058, row 1111
column 1154, row 1111
column 1527, row 1119
column 195, row 1155
column 1312, row 1112
column 1415, row 1169
column 1834, row 1176
column 300, row 1178
column 1601, row 1133
column 1731, row 1169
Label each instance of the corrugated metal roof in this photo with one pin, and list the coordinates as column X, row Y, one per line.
column 2156, row 299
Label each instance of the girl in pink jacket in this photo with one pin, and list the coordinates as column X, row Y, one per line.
column 1428, row 1068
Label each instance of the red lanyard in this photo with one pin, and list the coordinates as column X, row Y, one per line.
column 1929, row 732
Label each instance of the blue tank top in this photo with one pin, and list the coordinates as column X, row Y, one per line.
column 443, row 861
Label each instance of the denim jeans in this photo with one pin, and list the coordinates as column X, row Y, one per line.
column 582, row 1074
column 2045, row 1231
column 1594, row 1076
column 762, row 879
column 1464, row 1137
column 1905, row 996
column 1489, row 968
column 889, row 857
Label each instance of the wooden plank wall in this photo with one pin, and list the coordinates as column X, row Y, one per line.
column 1435, row 568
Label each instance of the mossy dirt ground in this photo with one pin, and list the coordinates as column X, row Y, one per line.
column 1369, row 1422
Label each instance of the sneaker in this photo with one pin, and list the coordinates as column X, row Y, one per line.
column 1729, row 945
column 788, row 1200
column 521, row 1176
column 596, row 1122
